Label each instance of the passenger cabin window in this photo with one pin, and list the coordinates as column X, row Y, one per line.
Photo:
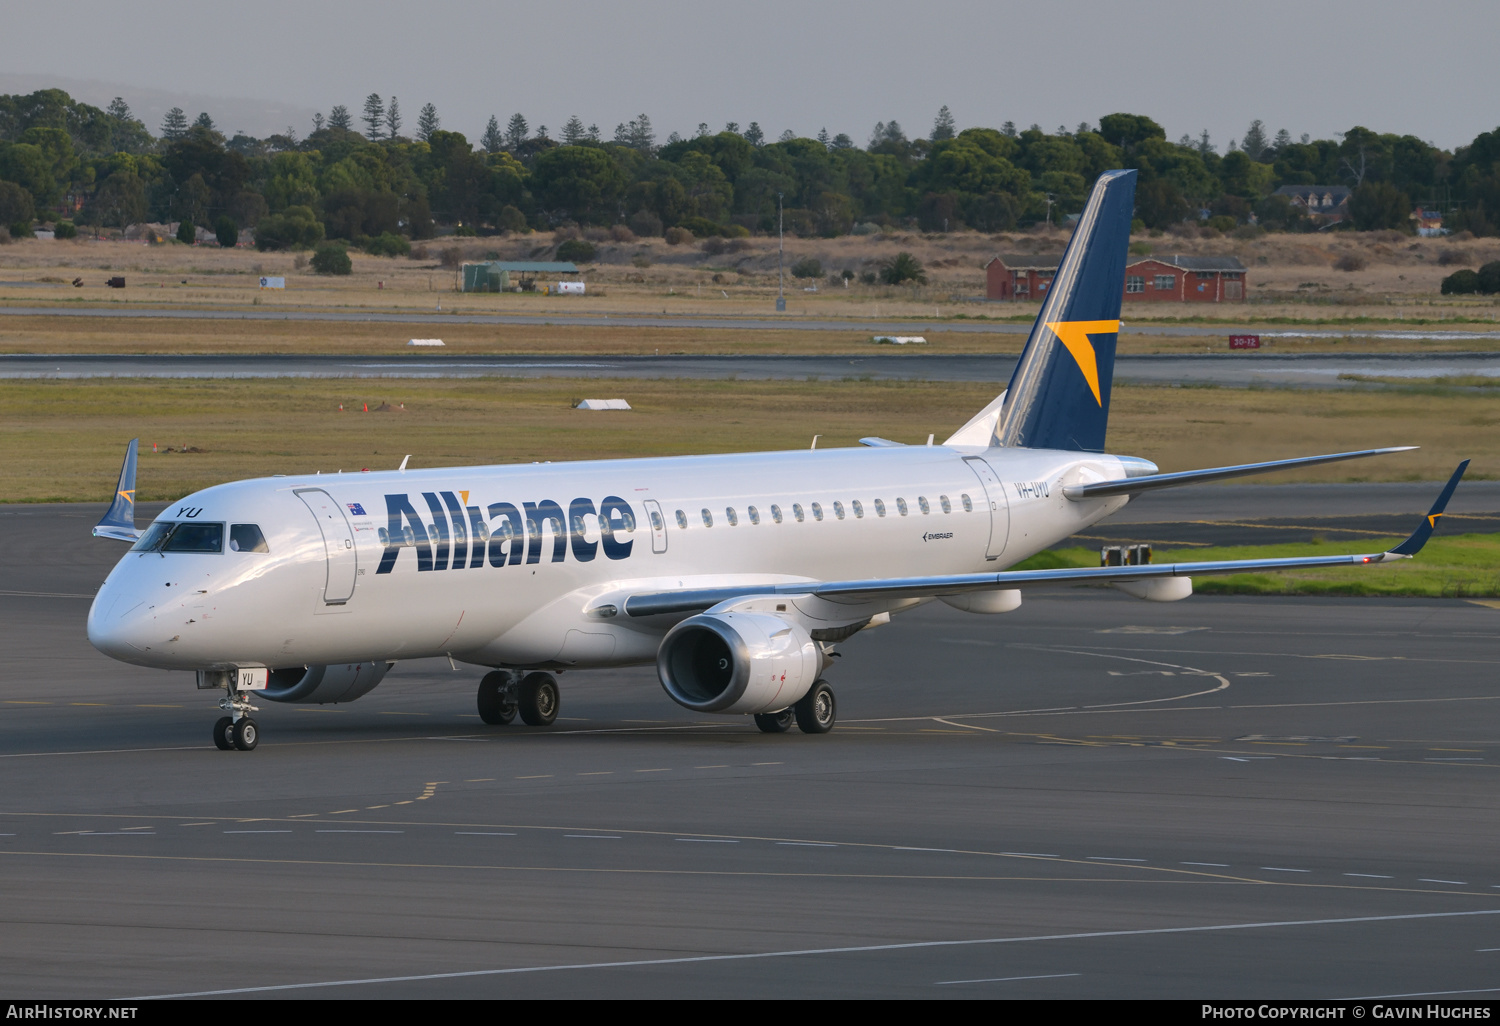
column 968, row 502
column 901, row 505
column 922, row 502
column 797, row 511
column 682, row 520
column 190, row 537
column 817, row 512
column 731, row 516
column 838, row 510
column 880, row 507
column 656, row 524
column 247, row 538
column 859, row 509
column 776, row 513
column 708, row 518
column 754, row 515
column 947, row 506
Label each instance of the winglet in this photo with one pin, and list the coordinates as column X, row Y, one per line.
column 119, row 522
column 1419, row 537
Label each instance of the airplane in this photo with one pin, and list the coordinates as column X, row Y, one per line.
column 737, row 574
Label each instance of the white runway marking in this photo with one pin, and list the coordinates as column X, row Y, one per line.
column 361, row 831
column 481, row 833
column 1283, row 869
column 594, row 837
column 1006, row 979
column 1114, row 858
column 860, row 949
column 257, row 831
column 820, row 844
column 1371, row 876
column 1215, row 865
column 1030, row 854
column 1455, row 883
column 706, row 840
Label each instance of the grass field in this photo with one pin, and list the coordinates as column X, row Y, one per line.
column 1461, row 566
column 63, row 439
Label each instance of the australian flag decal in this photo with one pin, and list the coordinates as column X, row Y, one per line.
column 357, row 509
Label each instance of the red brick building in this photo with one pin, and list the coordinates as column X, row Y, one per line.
column 1013, row 276
column 1185, row 279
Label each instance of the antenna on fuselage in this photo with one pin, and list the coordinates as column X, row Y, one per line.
column 402, row 468
column 815, row 440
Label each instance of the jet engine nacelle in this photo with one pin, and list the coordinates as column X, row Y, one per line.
column 341, row 682
column 737, row 663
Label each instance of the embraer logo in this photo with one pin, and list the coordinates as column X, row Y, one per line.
column 462, row 536
column 1075, row 336
column 937, row 536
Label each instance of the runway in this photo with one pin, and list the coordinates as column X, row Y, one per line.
column 1236, row 370
column 1089, row 797
column 593, row 317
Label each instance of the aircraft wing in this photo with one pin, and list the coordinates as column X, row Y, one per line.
column 1133, row 485
column 874, row 590
column 119, row 522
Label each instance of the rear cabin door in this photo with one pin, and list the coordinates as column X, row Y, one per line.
column 658, row 525
column 338, row 545
column 994, row 497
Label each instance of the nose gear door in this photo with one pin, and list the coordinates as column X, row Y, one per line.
column 338, row 544
column 994, row 493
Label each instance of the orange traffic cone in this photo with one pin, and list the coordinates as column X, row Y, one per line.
column 367, row 407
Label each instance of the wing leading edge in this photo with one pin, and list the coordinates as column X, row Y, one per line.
column 698, row 600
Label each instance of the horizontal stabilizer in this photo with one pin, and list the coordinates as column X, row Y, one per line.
column 892, row 590
column 1133, row 485
column 119, row 522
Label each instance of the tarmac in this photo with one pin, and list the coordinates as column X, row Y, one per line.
column 1091, row 797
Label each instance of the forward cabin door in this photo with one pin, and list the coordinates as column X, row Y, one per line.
column 993, row 493
column 658, row 525
column 338, row 544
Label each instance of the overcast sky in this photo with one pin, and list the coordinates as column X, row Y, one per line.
column 1304, row 65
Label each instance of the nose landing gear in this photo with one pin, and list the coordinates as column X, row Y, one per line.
column 237, row 731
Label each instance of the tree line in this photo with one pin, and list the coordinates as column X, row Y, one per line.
column 372, row 179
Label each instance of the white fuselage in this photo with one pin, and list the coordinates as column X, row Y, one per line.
column 488, row 578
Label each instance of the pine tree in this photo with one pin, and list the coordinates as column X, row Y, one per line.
column 1283, row 140
column 175, row 124
column 573, row 132
column 641, row 135
column 118, row 109
column 393, row 119
column 754, row 136
column 594, row 133
column 374, row 115
column 318, row 122
column 1008, row 129
column 515, row 132
column 843, row 142
column 1255, row 143
column 823, row 138
column 427, row 122
column 943, row 126
column 204, row 121
column 1205, row 145
column 493, row 139
column 339, row 118
column 541, row 132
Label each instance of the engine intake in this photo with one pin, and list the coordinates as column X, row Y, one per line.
column 737, row 663
column 342, row 682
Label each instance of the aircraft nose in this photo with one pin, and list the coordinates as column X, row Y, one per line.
column 117, row 623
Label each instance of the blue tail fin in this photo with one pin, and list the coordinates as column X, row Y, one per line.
column 1059, row 394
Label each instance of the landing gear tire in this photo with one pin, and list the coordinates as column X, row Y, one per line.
column 497, row 702
column 817, row 711
column 538, row 699
column 776, row 722
column 246, row 734
column 224, row 734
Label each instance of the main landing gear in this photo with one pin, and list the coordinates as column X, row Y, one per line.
column 237, row 731
column 503, row 693
column 814, row 713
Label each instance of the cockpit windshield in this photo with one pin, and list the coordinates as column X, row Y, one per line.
column 182, row 537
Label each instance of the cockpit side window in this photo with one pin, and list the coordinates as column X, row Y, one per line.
column 247, row 538
column 155, row 534
column 190, row 537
